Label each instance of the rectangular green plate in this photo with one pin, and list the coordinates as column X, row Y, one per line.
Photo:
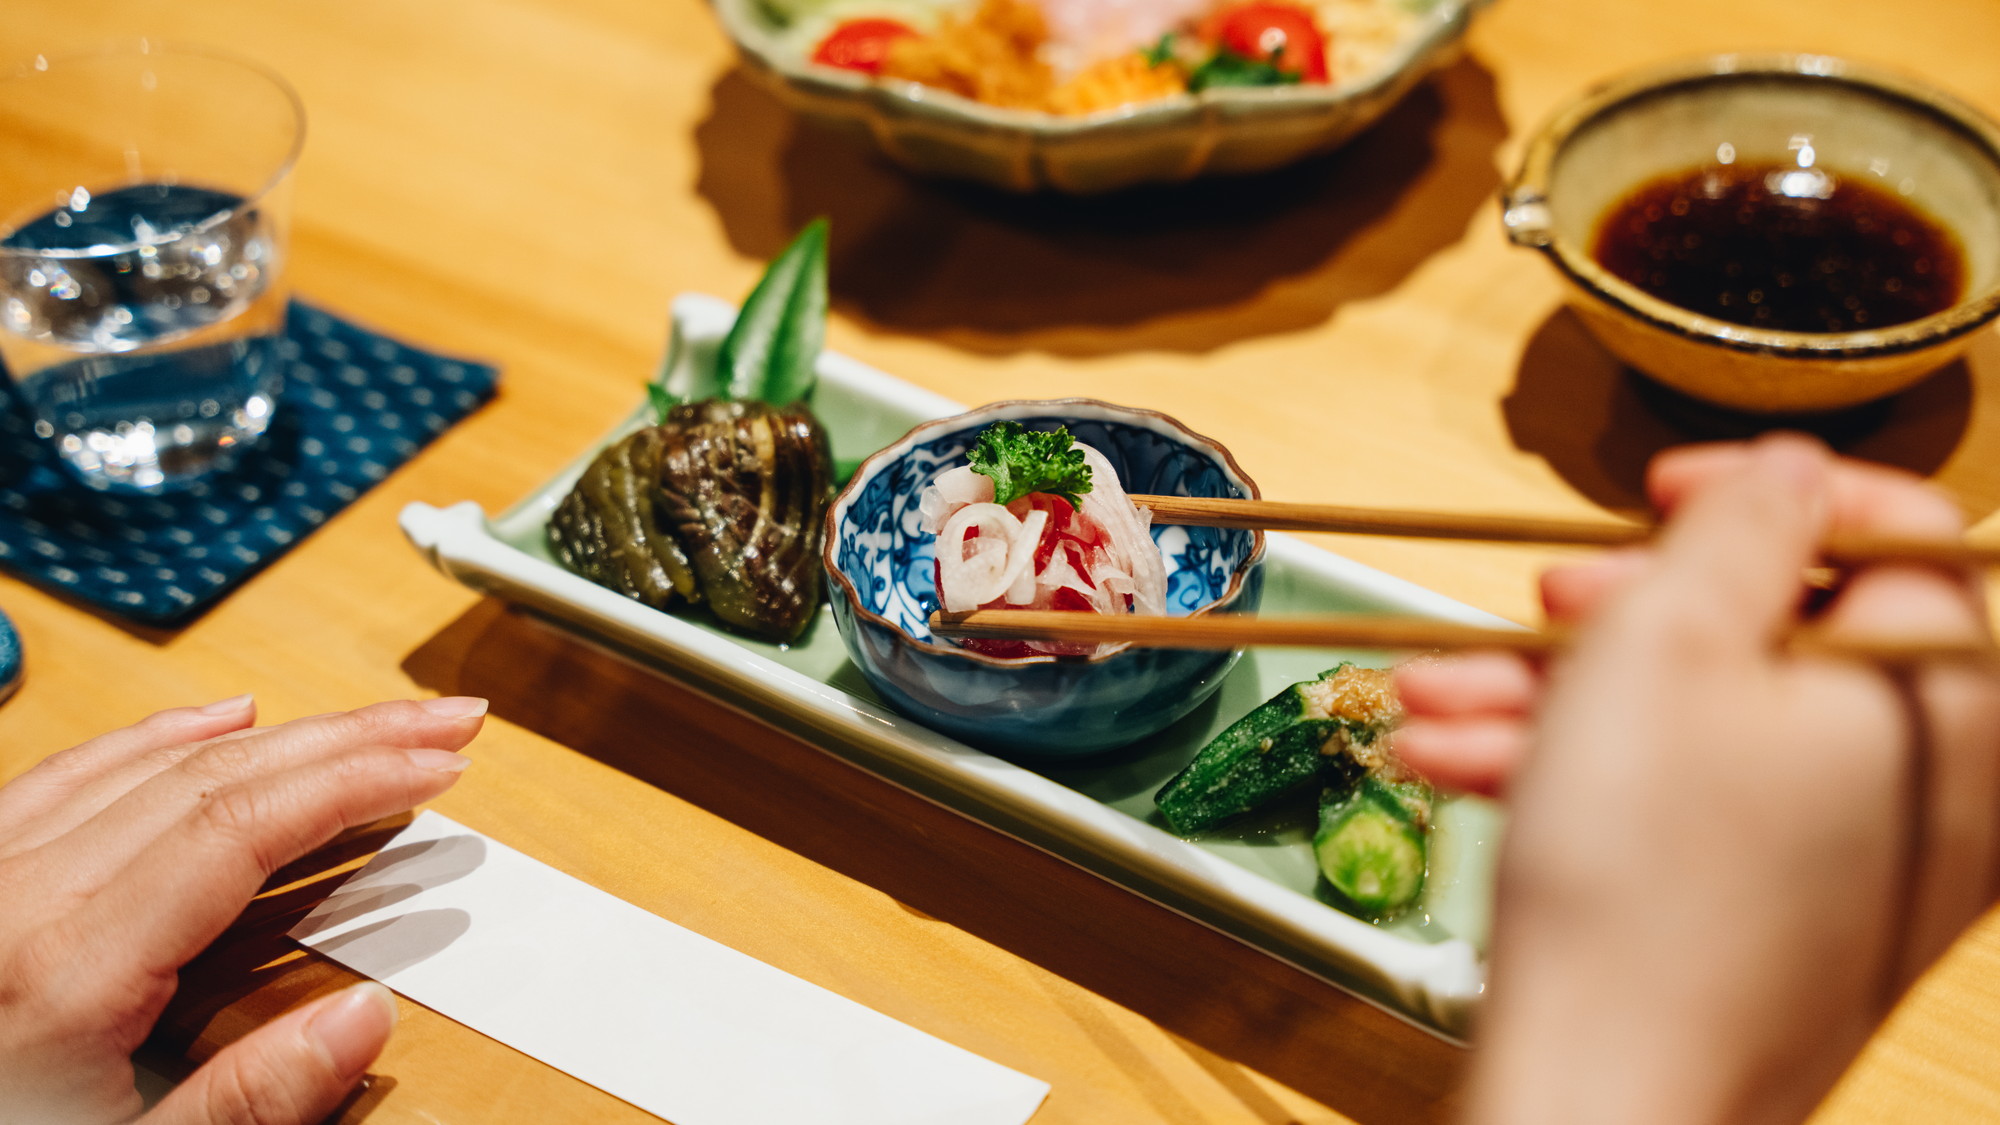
column 1257, row 882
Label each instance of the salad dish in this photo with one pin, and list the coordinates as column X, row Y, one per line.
column 1089, row 96
column 1079, row 57
column 701, row 518
column 891, row 562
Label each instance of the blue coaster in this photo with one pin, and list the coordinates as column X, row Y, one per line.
column 355, row 406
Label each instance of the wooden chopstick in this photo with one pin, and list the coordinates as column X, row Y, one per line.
column 1271, row 515
column 1230, row 630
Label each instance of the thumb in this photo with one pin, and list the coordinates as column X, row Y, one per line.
column 292, row 1071
column 1740, row 545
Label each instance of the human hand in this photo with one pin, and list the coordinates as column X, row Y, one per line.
column 122, row 858
column 1724, row 863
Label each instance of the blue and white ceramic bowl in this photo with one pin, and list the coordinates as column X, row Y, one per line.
column 880, row 564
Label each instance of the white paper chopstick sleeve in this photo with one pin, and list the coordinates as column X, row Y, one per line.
column 639, row 1007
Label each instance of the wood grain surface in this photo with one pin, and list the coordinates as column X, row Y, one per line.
column 531, row 181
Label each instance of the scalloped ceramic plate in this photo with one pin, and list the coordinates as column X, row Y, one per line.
column 1221, row 131
column 1259, row 885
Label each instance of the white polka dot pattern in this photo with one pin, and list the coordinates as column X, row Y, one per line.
column 355, row 406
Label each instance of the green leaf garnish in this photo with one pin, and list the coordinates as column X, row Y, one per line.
column 1021, row 461
column 771, row 351
column 1161, row 53
column 663, row 400
column 1227, row 68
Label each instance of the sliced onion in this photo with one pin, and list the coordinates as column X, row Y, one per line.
column 1021, row 559
column 947, row 492
column 964, row 582
column 1116, row 569
column 1132, row 548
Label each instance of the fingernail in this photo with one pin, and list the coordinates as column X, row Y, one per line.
column 350, row 1029
column 455, row 706
column 228, row 706
column 439, row 761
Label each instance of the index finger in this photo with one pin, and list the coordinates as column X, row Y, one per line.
column 126, row 806
column 103, row 840
column 59, row 777
column 179, row 894
column 1864, row 496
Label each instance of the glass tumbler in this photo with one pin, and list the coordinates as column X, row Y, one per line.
column 144, row 200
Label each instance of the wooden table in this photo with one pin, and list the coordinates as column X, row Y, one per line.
column 531, row 181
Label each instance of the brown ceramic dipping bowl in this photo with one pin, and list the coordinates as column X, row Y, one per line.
column 1941, row 155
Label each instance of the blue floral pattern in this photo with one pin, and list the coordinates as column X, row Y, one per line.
column 1048, row 708
column 883, row 549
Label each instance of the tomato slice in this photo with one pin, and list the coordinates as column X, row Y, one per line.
column 1271, row 29
column 1069, row 531
column 861, row 44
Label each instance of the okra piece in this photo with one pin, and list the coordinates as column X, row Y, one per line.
column 1328, row 729
column 1373, row 844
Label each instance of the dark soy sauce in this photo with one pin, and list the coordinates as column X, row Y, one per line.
column 1782, row 247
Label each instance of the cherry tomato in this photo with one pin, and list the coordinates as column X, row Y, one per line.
column 1261, row 29
column 861, row 44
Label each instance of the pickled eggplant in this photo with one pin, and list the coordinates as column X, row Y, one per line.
column 607, row 529
column 1328, row 729
column 721, row 504
column 1372, row 844
column 743, row 489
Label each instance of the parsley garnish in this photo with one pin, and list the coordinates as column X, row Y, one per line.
column 1227, row 68
column 1021, row 461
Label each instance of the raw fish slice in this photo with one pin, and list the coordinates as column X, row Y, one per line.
column 1083, row 31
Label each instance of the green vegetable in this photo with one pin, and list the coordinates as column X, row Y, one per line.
column 743, row 487
column 663, row 400
column 1372, row 844
column 1227, row 68
column 1160, row 53
column 770, row 354
column 608, row 528
column 1323, row 729
column 722, row 504
column 1021, row 461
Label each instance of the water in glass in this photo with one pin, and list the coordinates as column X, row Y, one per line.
column 147, row 318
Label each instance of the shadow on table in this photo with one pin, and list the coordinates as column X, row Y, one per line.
column 1597, row 423
column 1221, row 1001
column 1178, row 267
